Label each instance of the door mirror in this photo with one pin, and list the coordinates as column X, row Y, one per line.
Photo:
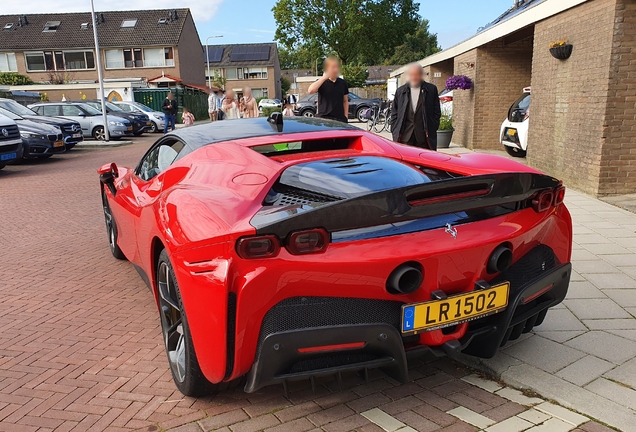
column 107, row 175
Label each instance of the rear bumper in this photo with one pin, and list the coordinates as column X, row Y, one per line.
column 282, row 356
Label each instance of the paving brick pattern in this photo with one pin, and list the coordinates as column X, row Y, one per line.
column 80, row 347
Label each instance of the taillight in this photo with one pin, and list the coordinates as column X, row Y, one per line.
column 543, row 201
column 308, row 242
column 559, row 195
column 548, row 198
column 258, row 247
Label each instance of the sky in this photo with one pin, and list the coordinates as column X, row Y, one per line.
column 244, row 21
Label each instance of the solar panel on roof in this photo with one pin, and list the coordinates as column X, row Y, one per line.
column 215, row 54
column 250, row 53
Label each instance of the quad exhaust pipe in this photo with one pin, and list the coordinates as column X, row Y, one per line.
column 405, row 279
column 500, row 260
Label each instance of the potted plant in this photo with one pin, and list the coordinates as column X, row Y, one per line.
column 561, row 49
column 445, row 131
column 459, row 82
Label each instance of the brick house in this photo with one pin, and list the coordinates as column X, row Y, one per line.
column 246, row 65
column 135, row 45
column 583, row 110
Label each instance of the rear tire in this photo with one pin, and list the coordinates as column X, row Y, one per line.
column 308, row 113
column 183, row 361
column 98, row 133
column 514, row 152
column 111, row 230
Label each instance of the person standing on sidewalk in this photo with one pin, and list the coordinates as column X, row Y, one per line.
column 169, row 108
column 212, row 99
column 333, row 92
column 416, row 111
column 250, row 108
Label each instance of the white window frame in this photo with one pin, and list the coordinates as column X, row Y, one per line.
column 166, row 62
column 7, row 56
column 239, row 75
column 85, row 60
column 255, row 70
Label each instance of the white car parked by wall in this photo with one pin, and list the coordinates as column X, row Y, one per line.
column 514, row 130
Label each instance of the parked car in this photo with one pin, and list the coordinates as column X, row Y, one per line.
column 140, row 121
column 314, row 247
column 10, row 141
column 308, row 106
column 514, row 130
column 157, row 118
column 446, row 101
column 88, row 117
column 269, row 103
column 39, row 140
column 71, row 130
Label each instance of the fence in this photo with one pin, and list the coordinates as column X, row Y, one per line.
column 371, row 92
column 195, row 100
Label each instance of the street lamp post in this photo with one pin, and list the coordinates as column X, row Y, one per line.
column 100, row 78
column 207, row 57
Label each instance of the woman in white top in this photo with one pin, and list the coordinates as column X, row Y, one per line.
column 230, row 107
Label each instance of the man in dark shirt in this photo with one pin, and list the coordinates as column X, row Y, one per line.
column 169, row 107
column 333, row 99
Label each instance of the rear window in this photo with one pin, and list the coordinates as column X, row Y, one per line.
column 520, row 108
column 306, row 146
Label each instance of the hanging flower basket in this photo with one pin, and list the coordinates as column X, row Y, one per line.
column 562, row 52
column 459, row 82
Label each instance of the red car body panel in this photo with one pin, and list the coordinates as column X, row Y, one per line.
column 201, row 205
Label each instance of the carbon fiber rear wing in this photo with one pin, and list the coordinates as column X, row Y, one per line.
column 411, row 203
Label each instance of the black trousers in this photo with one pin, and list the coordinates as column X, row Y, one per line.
column 415, row 143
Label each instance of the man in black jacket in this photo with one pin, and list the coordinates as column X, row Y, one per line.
column 415, row 112
column 169, row 107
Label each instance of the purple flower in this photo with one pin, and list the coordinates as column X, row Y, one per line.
column 461, row 82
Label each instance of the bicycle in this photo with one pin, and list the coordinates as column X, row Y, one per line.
column 379, row 118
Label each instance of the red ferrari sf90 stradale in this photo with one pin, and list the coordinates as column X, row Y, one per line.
column 287, row 251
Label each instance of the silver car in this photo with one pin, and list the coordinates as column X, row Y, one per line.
column 157, row 118
column 88, row 117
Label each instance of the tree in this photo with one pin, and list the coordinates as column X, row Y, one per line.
column 300, row 57
column 285, row 85
column 355, row 75
column 418, row 45
column 355, row 30
column 218, row 81
column 14, row 78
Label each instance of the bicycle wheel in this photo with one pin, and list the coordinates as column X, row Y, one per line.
column 370, row 123
column 380, row 123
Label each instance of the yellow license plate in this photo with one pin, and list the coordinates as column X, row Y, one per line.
column 512, row 132
column 129, row 128
column 58, row 144
column 437, row 314
column 148, row 123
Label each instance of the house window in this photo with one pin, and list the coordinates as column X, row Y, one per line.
column 234, row 73
column 139, row 57
column 129, row 23
column 255, row 73
column 51, row 26
column 59, row 60
column 8, row 63
column 260, row 93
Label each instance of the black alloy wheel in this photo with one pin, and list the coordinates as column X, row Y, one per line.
column 111, row 229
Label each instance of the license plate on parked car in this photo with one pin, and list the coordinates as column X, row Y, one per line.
column 8, row 156
column 76, row 135
column 58, row 144
column 129, row 128
column 457, row 309
column 511, row 132
column 147, row 123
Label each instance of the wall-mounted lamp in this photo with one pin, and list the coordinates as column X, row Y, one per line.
column 125, row 90
column 468, row 65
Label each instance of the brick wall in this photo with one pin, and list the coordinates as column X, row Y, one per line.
column 269, row 83
column 464, row 101
column 618, row 157
column 503, row 70
column 189, row 55
column 445, row 68
column 569, row 97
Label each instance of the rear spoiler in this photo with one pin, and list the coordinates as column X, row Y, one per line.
column 411, row 203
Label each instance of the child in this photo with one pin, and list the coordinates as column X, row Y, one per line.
column 187, row 117
column 288, row 111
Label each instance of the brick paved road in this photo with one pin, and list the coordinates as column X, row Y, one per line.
column 80, row 346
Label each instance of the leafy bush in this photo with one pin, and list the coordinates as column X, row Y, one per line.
column 14, row 78
column 268, row 110
column 446, row 123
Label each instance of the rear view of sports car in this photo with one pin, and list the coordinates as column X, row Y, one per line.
column 285, row 251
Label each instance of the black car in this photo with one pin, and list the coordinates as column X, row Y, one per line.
column 71, row 130
column 308, row 105
column 39, row 140
column 140, row 121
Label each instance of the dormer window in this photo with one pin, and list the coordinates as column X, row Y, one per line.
column 129, row 23
column 8, row 26
column 51, row 26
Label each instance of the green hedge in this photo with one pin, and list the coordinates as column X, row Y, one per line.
column 267, row 111
column 14, row 78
